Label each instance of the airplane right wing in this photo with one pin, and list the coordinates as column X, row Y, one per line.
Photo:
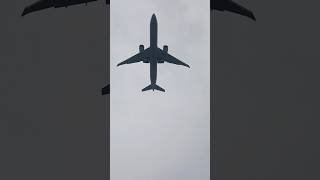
column 136, row 58
column 45, row 4
column 170, row 59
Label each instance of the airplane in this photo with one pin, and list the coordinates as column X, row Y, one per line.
column 229, row 5
column 220, row 5
column 153, row 55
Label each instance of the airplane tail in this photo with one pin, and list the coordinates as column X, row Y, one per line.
column 153, row 87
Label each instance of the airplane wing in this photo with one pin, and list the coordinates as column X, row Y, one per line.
column 170, row 59
column 136, row 58
column 229, row 5
column 45, row 4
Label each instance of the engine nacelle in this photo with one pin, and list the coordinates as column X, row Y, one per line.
column 165, row 48
column 145, row 60
column 141, row 48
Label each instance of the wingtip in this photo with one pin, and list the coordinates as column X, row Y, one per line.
column 24, row 13
column 252, row 17
column 27, row 10
column 122, row 63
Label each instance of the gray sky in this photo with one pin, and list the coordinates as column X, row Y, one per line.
column 156, row 135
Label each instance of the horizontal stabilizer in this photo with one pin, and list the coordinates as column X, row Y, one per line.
column 153, row 87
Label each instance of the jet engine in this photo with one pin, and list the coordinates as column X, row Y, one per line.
column 165, row 48
column 160, row 60
column 141, row 48
column 146, row 60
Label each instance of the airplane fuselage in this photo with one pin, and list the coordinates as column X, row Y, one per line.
column 153, row 32
column 153, row 46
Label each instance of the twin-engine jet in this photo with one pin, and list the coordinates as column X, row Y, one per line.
column 220, row 5
column 153, row 55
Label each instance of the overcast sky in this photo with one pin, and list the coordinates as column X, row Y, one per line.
column 156, row 135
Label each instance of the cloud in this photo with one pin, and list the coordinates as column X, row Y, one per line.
column 157, row 135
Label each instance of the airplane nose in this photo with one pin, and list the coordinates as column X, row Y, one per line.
column 153, row 17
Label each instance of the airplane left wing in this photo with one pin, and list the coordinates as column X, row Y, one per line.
column 136, row 58
column 170, row 59
column 229, row 5
column 45, row 4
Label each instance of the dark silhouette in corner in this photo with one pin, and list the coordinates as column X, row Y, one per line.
column 105, row 90
column 45, row 4
column 228, row 5
column 153, row 55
